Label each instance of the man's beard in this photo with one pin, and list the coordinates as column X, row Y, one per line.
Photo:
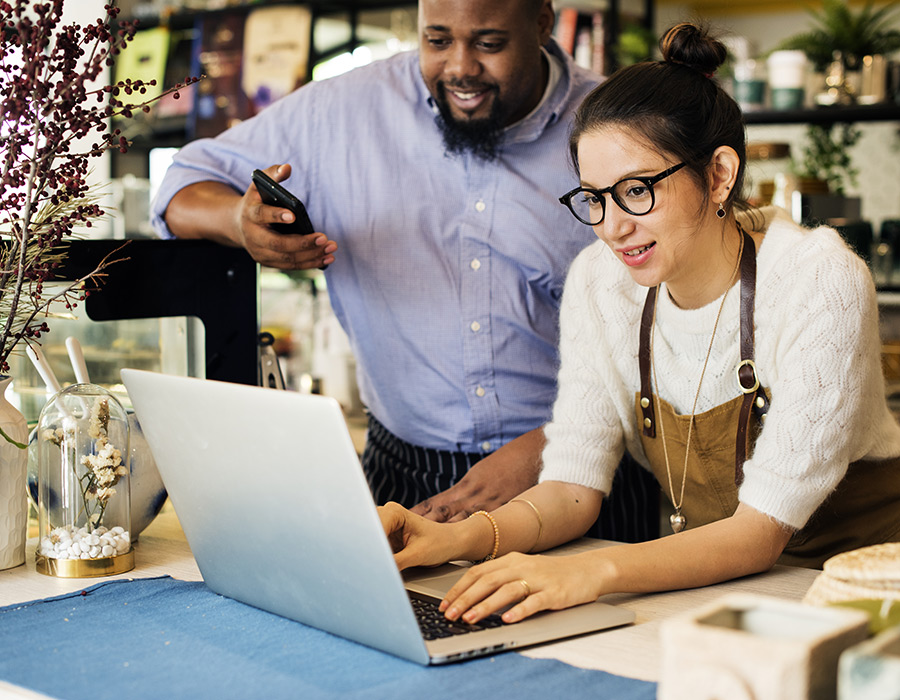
column 480, row 137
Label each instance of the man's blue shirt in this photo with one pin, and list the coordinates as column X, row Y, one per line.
column 449, row 269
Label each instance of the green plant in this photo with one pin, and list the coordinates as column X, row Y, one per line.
column 827, row 155
column 837, row 28
column 636, row 44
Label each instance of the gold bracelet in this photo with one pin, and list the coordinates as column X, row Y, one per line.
column 493, row 522
column 539, row 519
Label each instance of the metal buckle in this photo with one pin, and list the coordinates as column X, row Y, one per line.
column 752, row 365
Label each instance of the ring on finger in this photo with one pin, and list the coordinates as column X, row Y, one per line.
column 527, row 588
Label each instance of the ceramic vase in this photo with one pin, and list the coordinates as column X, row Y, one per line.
column 13, row 471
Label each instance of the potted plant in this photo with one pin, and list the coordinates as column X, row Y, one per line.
column 824, row 172
column 836, row 28
column 636, row 43
column 826, row 158
column 839, row 33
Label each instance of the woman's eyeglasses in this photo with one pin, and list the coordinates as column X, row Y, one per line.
column 634, row 195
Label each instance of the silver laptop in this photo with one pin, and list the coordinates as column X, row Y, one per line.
column 276, row 509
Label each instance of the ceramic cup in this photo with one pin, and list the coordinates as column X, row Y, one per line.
column 787, row 98
column 750, row 94
column 787, row 79
column 749, row 85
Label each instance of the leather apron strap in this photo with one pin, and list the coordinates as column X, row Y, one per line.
column 755, row 400
column 647, row 408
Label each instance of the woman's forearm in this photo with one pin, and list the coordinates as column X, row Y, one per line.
column 547, row 515
column 746, row 543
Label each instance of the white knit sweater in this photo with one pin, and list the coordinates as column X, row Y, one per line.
column 817, row 351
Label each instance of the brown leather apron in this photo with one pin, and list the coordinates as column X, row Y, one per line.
column 863, row 510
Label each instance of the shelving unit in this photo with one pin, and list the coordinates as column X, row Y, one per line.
column 826, row 115
column 185, row 19
column 612, row 16
column 173, row 132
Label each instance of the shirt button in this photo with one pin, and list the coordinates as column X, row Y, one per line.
column 486, row 446
column 480, row 205
column 475, row 264
column 475, row 326
column 480, row 391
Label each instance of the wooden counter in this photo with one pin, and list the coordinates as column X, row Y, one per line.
column 631, row 651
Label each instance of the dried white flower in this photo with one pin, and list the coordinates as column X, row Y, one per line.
column 99, row 419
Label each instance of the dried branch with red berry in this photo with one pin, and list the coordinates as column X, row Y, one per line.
column 53, row 101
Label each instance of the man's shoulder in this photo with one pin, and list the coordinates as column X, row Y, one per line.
column 580, row 81
column 584, row 80
column 397, row 73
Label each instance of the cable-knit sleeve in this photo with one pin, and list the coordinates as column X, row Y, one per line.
column 585, row 436
column 818, row 310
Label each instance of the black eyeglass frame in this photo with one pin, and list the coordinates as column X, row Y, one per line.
column 647, row 181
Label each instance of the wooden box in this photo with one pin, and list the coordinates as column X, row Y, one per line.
column 750, row 647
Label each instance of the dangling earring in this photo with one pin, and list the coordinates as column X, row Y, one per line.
column 720, row 212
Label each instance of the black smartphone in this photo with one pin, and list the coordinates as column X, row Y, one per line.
column 275, row 195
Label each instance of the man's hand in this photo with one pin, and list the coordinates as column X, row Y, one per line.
column 279, row 250
column 214, row 211
column 492, row 482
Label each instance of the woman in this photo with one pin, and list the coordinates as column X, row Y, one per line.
column 737, row 357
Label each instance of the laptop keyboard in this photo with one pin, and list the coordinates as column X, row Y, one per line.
column 435, row 626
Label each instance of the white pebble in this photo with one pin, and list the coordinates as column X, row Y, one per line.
column 68, row 543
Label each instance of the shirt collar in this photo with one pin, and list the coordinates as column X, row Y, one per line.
column 554, row 74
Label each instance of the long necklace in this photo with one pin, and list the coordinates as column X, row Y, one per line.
column 677, row 519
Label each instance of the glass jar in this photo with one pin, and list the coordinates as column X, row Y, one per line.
column 84, row 496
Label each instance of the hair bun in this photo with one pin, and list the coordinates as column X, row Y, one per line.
column 692, row 45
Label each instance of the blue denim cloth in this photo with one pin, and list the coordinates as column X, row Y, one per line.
column 163, row 638
column 450, row 269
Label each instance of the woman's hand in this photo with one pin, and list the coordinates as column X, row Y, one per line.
column 417, row 541
column 529, row 583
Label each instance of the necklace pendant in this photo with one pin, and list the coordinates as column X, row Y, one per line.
column 678, row 521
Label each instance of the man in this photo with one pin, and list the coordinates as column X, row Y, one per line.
column 434, row 176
